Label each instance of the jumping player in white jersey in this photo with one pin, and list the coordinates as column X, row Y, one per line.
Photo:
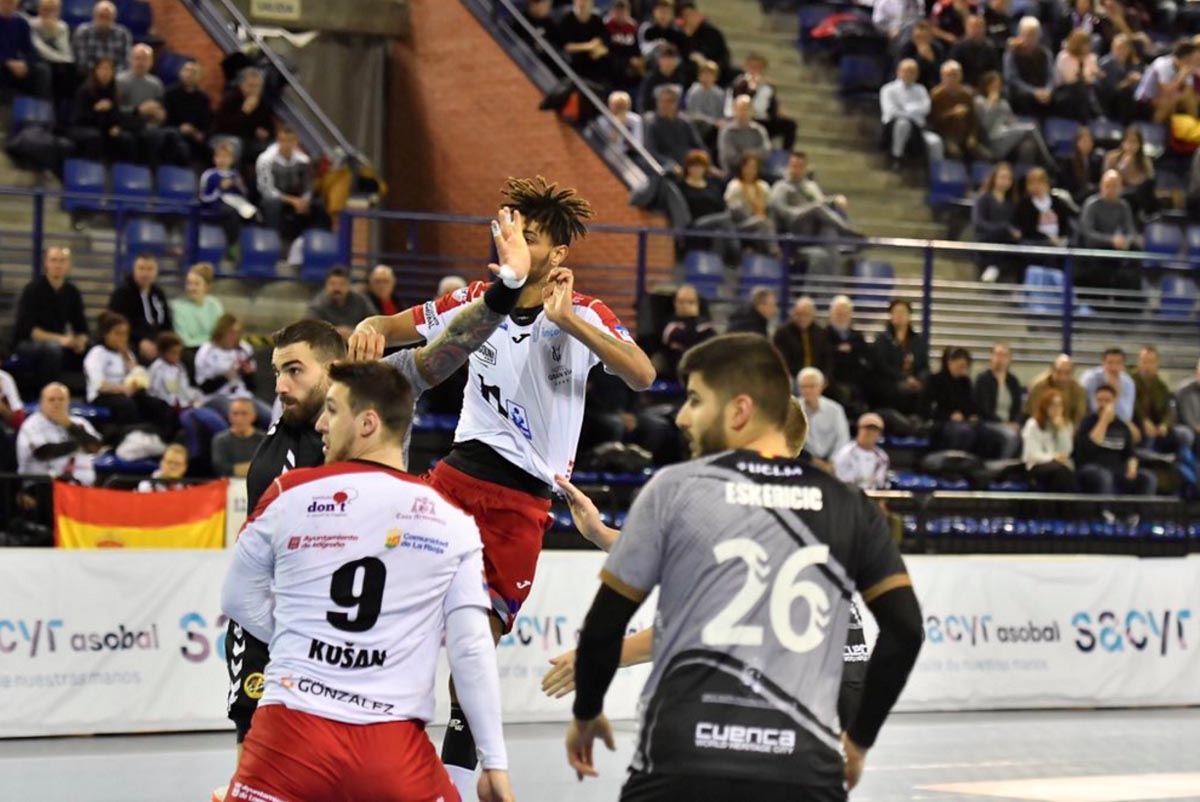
column 354, row 573
column 523, row 406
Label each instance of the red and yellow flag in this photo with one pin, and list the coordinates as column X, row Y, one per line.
column 92, row 518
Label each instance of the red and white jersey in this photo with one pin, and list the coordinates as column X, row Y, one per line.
column 527, row 382
column 365, row 563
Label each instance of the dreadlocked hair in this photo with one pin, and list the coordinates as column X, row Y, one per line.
column 559, row 212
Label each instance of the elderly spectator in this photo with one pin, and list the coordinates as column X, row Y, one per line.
column 449, row 284
column 55, row 442
column 1107, row 223
column 196, row 313
column 667, row 71
column 746, row 196
column 233, row 448
column 51, row 328
column 1044, row 219
column 975, row 52
column 799, row 206
column 659, row 30
column 1153, row 411
column 338, row 304
column 754, row 84
column 1076, row 72
column 757, row 316
column 741, row 135
column 998, row 398
column 949, row 402
column 1136, row 171
column 189, row 110
column 802, row 343
column 1104, row 451
column 925, row 52
column 143, row 304
column 223, row 193
column 381, row 291
column 140, row 97
column 1061, row 377
column 828, row 429
column 705, row 101
column 899, row 361
column 225, row 370
column 950, row 19
column 1120, row 74
column 851, row 356
column 115, row 382
column 1111, row 372
column 706, row 209
column 702, row 41
column 895, row 19
column 1001, row 133
column 1169, row 82
column 285, row 188
column 172, row 469
column 861, row 462
column 102, row 38
column 1187, row 404
column 245, row 115
column 583, row 36
column 98, row 128
column 1080, row 171
column 52, row 41
column 1029, row 70
column 686, row 328
column 993, row 219
column 620, row 106
column 904, row 105
column 20, row 69
column 669, row 137
column 952, row 114
column 1047, row 441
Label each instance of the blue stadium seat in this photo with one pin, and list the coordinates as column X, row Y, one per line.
column 168, row 64
column 947, row 182
column 876, row 281
column 704, row 270
column 87, row 178
column 810, row 16
column 1060, row 135
column 108, row 463
column 137, row 16
column 1105, row 131
column 320, row 254
column 1043, row 290
column 77, row 409
column 176, row 184
column 979, row 173
column 1178, row 297
column 261, row 249
column 777, row 162
column 760, row 271
column 1155, row 137
column 210, row 244
column 30, row 111
column 1163, row 238
column 76, row 12
column 131, row 183
column 142, row 236
column 1192, row 237
column 859, row 75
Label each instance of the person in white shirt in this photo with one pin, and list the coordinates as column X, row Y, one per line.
column 1048, row 439
column 904, row 105
column 356, row 573
column 225, row 369
column 285, row 188
column 620, row 105
column 54, row 442
column 895, row 18
column 861, row 462
column 170, row 383
column 828, row 429
column 117, row 383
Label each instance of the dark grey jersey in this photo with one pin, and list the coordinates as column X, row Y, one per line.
column 756, row 560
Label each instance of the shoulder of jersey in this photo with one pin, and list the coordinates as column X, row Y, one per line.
column 345, row 470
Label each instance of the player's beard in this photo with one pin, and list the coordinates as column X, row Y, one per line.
column 307, row 409
column 709, row 441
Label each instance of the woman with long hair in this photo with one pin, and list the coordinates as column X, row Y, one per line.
column 97, row 125
column 1076, row 71
column 746, row 196
column 1137, row 172
column 993, row 219
column 1080, row 171
column 1047, row 440
column 196, row 313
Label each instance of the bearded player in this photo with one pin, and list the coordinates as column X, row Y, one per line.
column 522, row 408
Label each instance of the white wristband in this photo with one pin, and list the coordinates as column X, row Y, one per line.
column 510, row 279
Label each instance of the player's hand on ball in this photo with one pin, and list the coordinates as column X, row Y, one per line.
column 493, row 786
column 558, row 294
column 560, row 679
column 365, row 345
column 856, row 756
column 581, row 736
column 508, row 232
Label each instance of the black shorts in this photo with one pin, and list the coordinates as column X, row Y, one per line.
column 246, row 661
column 699, row 788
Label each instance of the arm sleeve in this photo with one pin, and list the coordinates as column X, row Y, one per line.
column 900, row 634
column 477, row 681
column 246, row 595
column 888, row 108
column 405, row 361
column 210, row 186
column 599, row 652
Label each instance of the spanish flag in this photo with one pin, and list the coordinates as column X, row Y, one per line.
column 92, row 518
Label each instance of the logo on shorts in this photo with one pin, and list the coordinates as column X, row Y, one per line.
column 424, row 506
column 254, row 685
column 394, row 538
column 524, row 584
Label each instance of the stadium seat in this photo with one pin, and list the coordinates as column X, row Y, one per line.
column 142, row 236
column 131, row 183
column 859, row 75
column 947, row 182
column 176, row 184
column 760, row 271
column 704, row 270
column 86, row 178
column 137, row 16
column 320, row 254
column 875, row 281
column 1155, row 137
column 261, row 249
column 1178, row 297
column 28, row 111
column 1106, row 132
column 979, row 173
column 168, row 64
column 210, row 244
column 1163, row 238
column 1060, row 135
column 1192, row 242
column 1043, row 290
column 777, row 162
column 77, row 12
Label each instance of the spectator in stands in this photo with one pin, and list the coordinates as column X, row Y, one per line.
column 999, row 399
column 993, row 217
column 169, row 380
column 1187, row 405
column 746, row 196
column 140, row 98
column 98, row 128
column 1061, row 377
column 904, row 105
column 741, row 135
column 706, row 209
column 223, row 192
column 1120, row 74
column 899, row 361
column 686, row 328
column 702, row 41
column 667, row 71
column 895, row 19
column 1131, row 21
column 1047, row 441
column 584, row 38
column 765, row 101
column 172, row 468
column 143, row 305
column 975, row 52
column 628, row 63
column 802, row 343
column 669, row 137
column 1080, row 17
column 449, row 284
column 11, row 414
column 115, row 382
column 1042, row 218
column 246, row 116
column 1136, row 171
column 1193, row 190
column 540, row 16
column 1001, row 133
column 225, row 370
column 338, row 304
column 861, row 462
column 620, row 106
column 285, row 188
column 20, row 69
column 1169, row 81
column 998, row 21
column 851, row 356
column 233, row 448
column 189, row 110
column 1076, row 72
column 950, row 19
column 952, row 114
column 196, row 313
column 52, row 41
column 1029, row 70
column 1104, row 451
column 1153, row 411
column 799, row 206
column 1111, row 372
column 949, row 402
column 616, row 414
column 54, row 442
column 925, row 52
column 1080, row 172
column 102, row 38
column 51, row 328
column 660, row 29
column 828, row 429
column 1107, row 223
column 381, row 291
column 757, row 316
column 705, row 104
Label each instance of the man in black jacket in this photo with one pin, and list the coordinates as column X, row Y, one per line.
column 142, row 302
column 684, row 330
column 702, row 41
column 851, row 357
column 1104, row 453
column 900, row 360
column 949, row 402
column 190, row 110
column 801, row 342
column 756, row 316
column 999, row 398
column 51, row 328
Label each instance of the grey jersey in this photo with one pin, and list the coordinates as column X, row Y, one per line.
column 756, row 560
column 406, row 362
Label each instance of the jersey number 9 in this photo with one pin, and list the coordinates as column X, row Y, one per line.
column 367, row 602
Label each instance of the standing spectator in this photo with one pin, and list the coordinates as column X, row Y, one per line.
column 746, row 195
column 1168, row 81
column 620, row 106
column 756, row 316
column 740, row 136
column 701, row 40
column 1111, row 372
column 851, row 356
column 975, row 52
column 828, row 429
column 705, row 104
column 993, row 219
column 1104, row 452
column 904, row 105
column 666, row 71
column 245, row 115
column 1136, row 171
column 1187, row 405
column 1043, row 218
column 1153, row 411
column 1002, row 134
column 925, row 52
column 97, row 125
column 54, row 442
column 223, row 193
column 584, row 38
column 338, row 305
column 998, row 398
column 381, row 291
column 1120, row 74
column 102, row 38
column 802, row 343
column 660, row 29
column 899, row 361
column 949, row 402
column 115, row 382
column 1076, row 72
column 285, row 188
column 765, row 101
column 1060, row 377
column 196, row 313
column 1047, row 441
column 628, row 63
column 686, row 328
column 20, row 69
column 952, row 114
column 799, row 205
column 895, row 19
column 540, row 16
column 1080, row 172
column 140, row 98
column 52, row 41
column 225, row 370
column 189, row 111
column 233, row 448
column 1029, row 70
column 171, row 471
column 861, row 462
column 950, row 19
column 706, row 209
column 1107, row 223
column 51, row 328
column 143, row 305
column 998, row 21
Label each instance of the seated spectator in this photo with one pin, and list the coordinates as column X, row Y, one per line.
column 285, row 189
column 1042, row 218
column 54, row 442
column 52, row 41
column 98, row 128
column 1047, row 441
column 246, row 116
column 583, row 36
column 706, row 210
column 115, row 382
column 799, row 206
column 899, row 362
column 233, row 448
column 765, row 101
column 1111, row 372
column 1080, row 172
column 1060, row 377
column 740, row 136
column 381, row 291
column 1120, row 74
column 895, row 19
column 189, row 111
column 1130, row 20
column 540, row 16
column 140, row 98
column 1154, row 413
column 975, row 52
column 666, row 71
column 993, row 218
column 862, row 463
column 669, row 137
column 686, row 328
column 1029, row 70
column 925, row 52
column 168, row 376
column 615, row 414
column 702, row 41
column 51, row 327
column 1136, row 171
column 746, row 196
column 225, row 370
column 998, row 21
column 705, row 104
column 20, row 70
column 620, row 105
column 1080, row 17
column 952, row 114
column 338, row 304
column 949, row 402
column 828, row 429
column 1187, row 405
column 196, row 313
column 1076, row 72
column 904, row 105
column 223, row 193
column 1168, row 84
column 950, row 20
column 102, row 38
column 1107, row 223
column 143, row 305
column 851, row 356
column 660, row 29
column 998, row 398
column 756, row 316
column 802, row 343
column 449, row 284
column 12, row 413
column 1104, row 452
column 628, row 63
column 172, row 468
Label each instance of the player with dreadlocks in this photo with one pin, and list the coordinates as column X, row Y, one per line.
column 522, row 408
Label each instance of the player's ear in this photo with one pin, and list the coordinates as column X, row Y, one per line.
column 368, row 423
column 558, row 255
column 739, row 411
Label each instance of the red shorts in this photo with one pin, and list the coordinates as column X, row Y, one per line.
column 512, row 524
column 290, row 756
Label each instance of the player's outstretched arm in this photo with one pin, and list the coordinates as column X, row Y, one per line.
column 586, row 516
column 560, row 679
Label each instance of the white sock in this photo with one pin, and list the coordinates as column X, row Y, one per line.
column 464, row 781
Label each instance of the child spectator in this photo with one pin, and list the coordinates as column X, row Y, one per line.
column 223, row 192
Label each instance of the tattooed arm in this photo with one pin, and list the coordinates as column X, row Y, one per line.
column 438, row 360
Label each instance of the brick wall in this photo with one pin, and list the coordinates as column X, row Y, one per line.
column 180, row 32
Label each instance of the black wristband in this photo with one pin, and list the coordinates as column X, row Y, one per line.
column 501, row 298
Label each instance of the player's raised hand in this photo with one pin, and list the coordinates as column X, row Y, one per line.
column 508, row 232
column 365, row 345
column 558, row 295
column 560, row 679
column 493, row 786
column 581, row 736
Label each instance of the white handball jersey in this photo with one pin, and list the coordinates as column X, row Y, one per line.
column 367, row 562
column 527, row 383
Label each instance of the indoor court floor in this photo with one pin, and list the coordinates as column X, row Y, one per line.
column 1070, row 756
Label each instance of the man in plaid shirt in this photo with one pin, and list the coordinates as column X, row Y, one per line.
column 101, row 38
